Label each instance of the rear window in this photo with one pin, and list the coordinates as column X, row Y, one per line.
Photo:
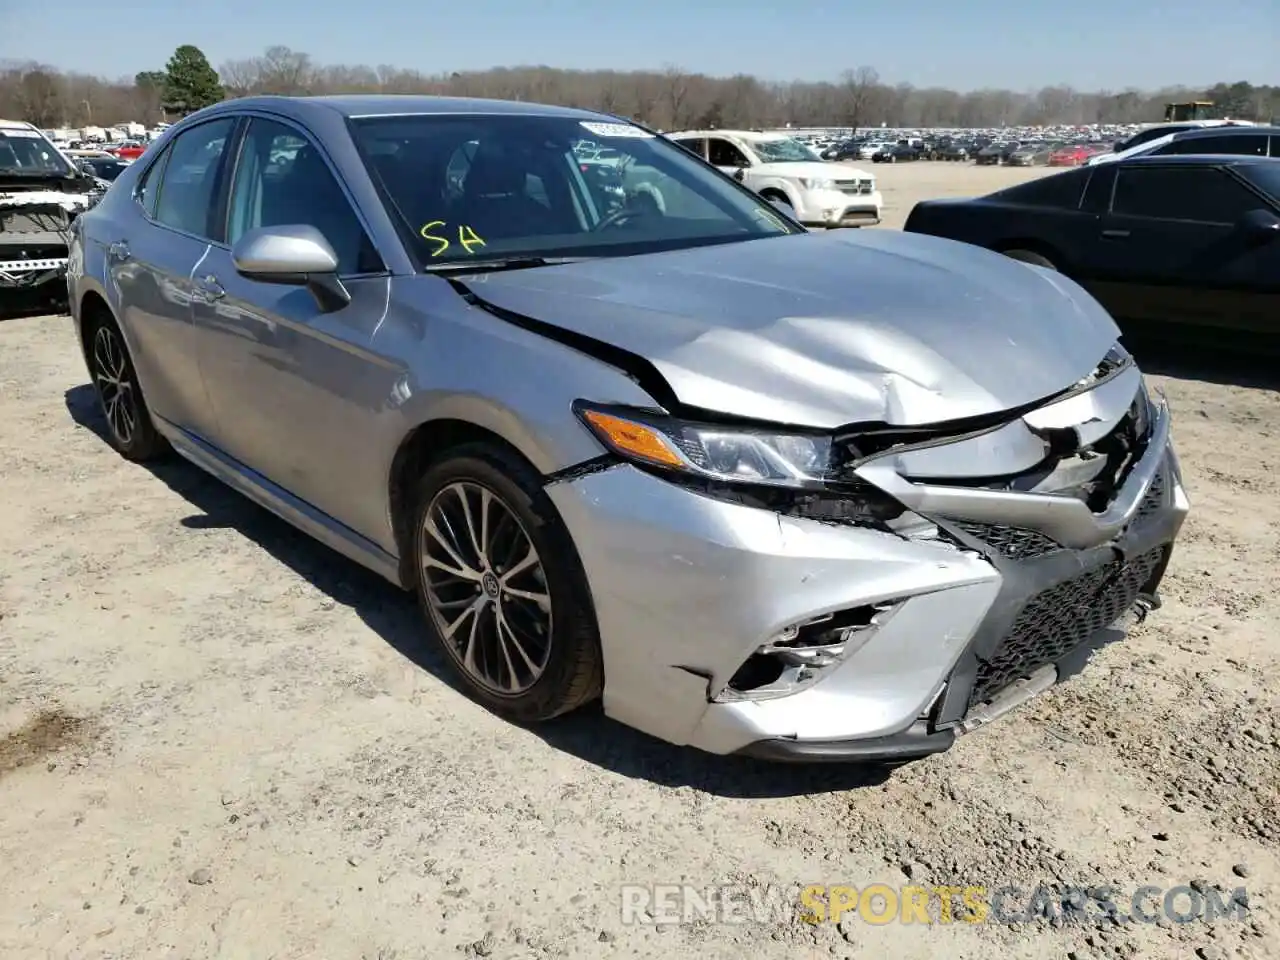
column 1061, row 191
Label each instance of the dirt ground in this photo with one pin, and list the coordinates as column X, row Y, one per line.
column 217, row 739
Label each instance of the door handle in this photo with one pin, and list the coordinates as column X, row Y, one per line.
column 118, row 251
column 1114, row 234
column 211, row 288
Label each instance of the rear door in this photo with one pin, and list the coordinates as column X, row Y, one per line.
column 1166, row 245
column 695, row 145
column 152, row 261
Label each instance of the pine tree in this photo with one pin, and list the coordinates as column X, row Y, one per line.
column 189, row 82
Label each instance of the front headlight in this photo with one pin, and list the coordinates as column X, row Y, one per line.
column 817, row 183
column 731, row 455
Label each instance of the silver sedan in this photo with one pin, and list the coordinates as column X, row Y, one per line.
column 796, row 495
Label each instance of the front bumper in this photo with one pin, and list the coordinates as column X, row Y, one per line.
column 687, row 587
column 835, row 208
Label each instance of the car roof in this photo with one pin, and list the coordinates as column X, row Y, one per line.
column 15, row 125
column 1193, row 159
column 394, row 105
column 740, row 134
column 1202, row 132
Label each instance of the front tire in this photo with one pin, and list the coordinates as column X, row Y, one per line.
column 130, row 428
column 502, row 587
column 1030, row 256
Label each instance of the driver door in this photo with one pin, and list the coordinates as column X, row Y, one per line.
column 729, row 159
column 1171, row 248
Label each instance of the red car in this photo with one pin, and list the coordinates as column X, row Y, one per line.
column 130, row 151
column 1072, row 156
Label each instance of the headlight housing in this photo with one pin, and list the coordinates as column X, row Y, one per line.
column 817, row 183
column 740, row 455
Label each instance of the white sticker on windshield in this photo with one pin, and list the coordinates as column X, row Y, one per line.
column 616, row 130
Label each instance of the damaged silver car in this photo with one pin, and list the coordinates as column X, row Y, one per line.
column 41, row 193
column 795, row 495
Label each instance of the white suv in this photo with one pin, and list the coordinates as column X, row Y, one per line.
column 785, row 171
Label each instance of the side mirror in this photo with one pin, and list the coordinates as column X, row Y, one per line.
column 1260, row 225
column 297, row 254
column 740, row 174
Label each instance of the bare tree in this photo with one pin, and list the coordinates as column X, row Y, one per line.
column 857, row 88
column 675, row 84
column 668, row 98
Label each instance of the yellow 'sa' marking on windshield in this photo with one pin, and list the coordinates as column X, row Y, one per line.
column 467, row 237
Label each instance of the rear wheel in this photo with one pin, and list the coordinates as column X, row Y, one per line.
column 129, row 425
column 1030, row 256
column 502, row 586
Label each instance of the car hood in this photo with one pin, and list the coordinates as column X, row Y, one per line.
column 825, row 169
column 831, row 328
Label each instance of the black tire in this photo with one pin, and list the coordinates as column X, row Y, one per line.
column 573, row 674
column 1030, row 256
column 130, row 429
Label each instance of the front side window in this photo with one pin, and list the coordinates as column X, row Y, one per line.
column 188, row 187
column 1264, row 176
column 1201, row 194
column 281, row 180
column 722, row 153
column 499, row 186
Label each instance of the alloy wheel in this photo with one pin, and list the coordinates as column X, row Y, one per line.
column 485, row 588
column 115, row 387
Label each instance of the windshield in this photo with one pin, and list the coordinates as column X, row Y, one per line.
column 783, row 150
column 26, row 152
column 489, row 187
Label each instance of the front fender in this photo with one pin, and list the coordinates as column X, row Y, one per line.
column 472, row 366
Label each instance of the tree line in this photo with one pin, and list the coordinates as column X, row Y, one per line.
column 670, row 98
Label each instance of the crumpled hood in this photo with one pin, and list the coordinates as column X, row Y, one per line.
column 828, row 329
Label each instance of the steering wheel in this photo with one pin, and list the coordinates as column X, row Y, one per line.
column 638, row 205
column 623, row 215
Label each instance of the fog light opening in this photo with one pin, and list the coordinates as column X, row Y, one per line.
column 800, row 654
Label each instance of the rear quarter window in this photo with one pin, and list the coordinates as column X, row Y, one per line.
column 1060, row 191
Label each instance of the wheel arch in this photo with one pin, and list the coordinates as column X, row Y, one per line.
column 431, row 439
column 1033, row 245
column 92, row 305
column 781, row 191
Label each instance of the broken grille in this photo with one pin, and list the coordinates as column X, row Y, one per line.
column 1013, row 543
column 1060, row 619
column 1152, row 501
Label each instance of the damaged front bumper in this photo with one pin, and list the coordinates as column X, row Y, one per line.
column 988, row 600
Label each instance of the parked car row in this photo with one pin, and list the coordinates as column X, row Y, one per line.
column 761, row 490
